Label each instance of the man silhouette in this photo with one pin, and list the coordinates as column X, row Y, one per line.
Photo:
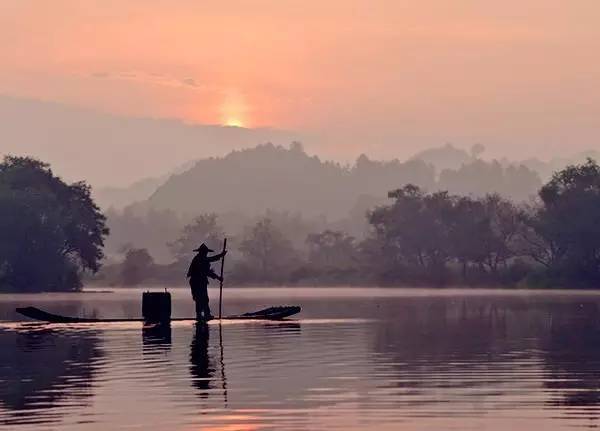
column 198, row 274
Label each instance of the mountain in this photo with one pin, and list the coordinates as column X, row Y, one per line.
column 272, row 177
column 297, row 191
column 109, row 150
column 281, row 179
column 120, row 197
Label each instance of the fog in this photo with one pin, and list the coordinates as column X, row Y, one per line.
column 208, row 120
column 110, row 150
column 386, row 79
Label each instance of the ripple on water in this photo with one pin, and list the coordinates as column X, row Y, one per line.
column 451, row 361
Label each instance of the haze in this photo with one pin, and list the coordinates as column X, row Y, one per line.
column 385, row 78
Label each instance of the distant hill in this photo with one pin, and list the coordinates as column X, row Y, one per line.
column 272, row 177
column 450, row 157
column 445, row 157
column 120, row 197
column 546, row 169
column 109, row 150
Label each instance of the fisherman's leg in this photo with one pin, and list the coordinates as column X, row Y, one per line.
column 207, row 312
column 204, row 301
column 199, row 309
column 196, row 295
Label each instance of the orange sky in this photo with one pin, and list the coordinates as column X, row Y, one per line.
column 385, row 77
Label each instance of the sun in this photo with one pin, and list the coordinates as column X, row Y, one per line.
column 234, row 122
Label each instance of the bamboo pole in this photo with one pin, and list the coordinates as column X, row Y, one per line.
column 221, row 282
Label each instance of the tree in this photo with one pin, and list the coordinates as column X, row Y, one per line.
column 469, row 226
column 422, row 235
column 50, row 230
column 203, row 229
column 331, row 249
column 504, row 225
column 564, row 229
column 414, row 230
column 137, row 266
column 268, row 253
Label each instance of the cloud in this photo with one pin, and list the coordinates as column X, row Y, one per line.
column 148, row 78
column 100, row 75
column 189, row 81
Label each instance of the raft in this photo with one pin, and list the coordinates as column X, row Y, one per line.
column 270, row 313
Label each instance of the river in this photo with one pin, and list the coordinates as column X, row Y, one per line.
column 354, row 359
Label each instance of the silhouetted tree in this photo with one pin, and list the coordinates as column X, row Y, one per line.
column 331, row 249
column 414, row 231
column 203, row 229
column 137, row 266
column 421, row 236
column 469, row 229
column 268, row 254
column 294, row 226
column 565, row 227
column 49, row 230
column 504, row 225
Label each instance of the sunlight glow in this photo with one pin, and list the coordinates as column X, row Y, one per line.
column 234, row 122
column 234, row 110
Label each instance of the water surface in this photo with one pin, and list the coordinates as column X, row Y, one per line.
column 354, row 359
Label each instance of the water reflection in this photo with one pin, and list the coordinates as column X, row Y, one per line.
column 202, row 366
column 156, row 338
column 424, row 362
column 43, row 368
column 572, row 358
column 442, row 333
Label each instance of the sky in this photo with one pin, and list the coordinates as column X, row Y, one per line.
column 386, row 78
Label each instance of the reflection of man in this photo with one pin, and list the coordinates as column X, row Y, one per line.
column 199, row 273
column 200, row 365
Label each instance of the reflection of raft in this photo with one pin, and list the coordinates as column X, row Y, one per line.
column 271, row 313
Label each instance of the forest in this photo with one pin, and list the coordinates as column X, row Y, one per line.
column 299, row 191
column 54, row 234
column 417, row 238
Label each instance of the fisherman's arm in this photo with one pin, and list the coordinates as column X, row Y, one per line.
column 217, row 257
column 214, row 276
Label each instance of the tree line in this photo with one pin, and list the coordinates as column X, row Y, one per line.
column 418, row 238
column 52, row 234
column 240, row 186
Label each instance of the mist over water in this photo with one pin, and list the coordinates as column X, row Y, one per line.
column 357, row 159
column 354, row 359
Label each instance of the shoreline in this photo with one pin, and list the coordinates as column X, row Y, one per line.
column 370, row 291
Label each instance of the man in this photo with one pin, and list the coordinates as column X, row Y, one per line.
column 198, row 274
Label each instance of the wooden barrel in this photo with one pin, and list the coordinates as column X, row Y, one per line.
column 156, row 307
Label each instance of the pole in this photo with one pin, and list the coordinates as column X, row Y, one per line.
column 221, row 282
column 223, row 378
